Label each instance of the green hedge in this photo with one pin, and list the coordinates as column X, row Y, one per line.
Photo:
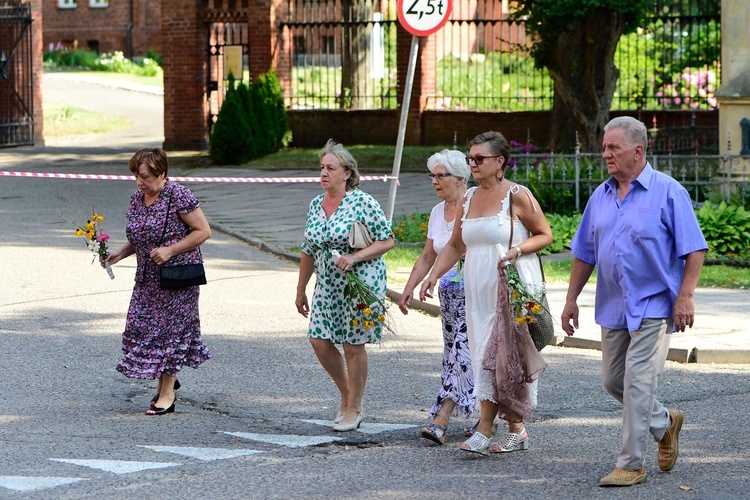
column 252, row 122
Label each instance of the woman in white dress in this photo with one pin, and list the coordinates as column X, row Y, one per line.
column 449, row 176
column 504, row 363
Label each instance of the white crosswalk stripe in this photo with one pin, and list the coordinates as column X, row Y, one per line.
column 29, row 483
column 366, row 427
column 117, row 466
column 206, row 454
column 288, row 440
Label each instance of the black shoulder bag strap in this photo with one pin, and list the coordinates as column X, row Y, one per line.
column 166, row 220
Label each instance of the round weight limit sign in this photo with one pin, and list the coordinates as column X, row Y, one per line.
column 423, row 17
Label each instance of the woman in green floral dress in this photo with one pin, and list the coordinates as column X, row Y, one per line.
column 336, row 318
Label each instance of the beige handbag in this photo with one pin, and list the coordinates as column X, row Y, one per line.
column 360, row 235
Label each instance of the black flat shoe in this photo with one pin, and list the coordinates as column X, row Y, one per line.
column 161, row 411
column 177, row 385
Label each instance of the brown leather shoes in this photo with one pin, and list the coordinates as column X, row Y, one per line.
column 621, row 477
column 668, row 446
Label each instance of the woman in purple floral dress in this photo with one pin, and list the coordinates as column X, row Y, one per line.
column 162, row 331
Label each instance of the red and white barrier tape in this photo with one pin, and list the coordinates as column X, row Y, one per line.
column 254, row 180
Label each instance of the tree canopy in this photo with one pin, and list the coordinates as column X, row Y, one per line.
column 576, row 41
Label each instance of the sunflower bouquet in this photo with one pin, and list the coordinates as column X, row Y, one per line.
column 367, row 309
column 96, row 239
column 524, row 305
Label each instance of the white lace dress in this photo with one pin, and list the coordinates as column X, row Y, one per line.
column 486, row 240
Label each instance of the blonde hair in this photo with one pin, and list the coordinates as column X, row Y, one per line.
column 347, row 161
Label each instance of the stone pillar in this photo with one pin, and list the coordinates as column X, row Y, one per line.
column 37, row 52
column 184, row 42
column 264, row 36
column 734, row 94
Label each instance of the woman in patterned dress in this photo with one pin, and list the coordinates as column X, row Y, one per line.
column 329, row 221
column 504, row 359
column 162, row 330
column 449, row 175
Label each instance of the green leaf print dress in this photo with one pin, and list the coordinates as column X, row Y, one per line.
column 330, row 313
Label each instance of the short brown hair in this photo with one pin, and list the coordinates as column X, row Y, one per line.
column 154, row 158
column 497, row 144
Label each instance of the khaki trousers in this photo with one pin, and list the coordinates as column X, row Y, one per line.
column 631, row 365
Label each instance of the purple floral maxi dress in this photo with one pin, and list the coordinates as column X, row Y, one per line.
column 162, row 331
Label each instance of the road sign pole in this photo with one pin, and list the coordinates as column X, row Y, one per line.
column 402, row 125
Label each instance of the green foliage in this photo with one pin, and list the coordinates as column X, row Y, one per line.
column 726, row 229
column 493, row 82
column 548, row 20
column 411, row 228
column 269, row 102
column 114, row 62
column 154, row 55
column 564, row 227
column 255, row 123
column 231, row 136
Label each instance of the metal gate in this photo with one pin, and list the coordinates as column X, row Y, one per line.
column 228, row 52
column 16, row 75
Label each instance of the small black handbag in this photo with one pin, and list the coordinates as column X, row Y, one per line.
column 182, row 275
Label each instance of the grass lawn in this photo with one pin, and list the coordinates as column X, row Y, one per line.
column 61, row 120
column 377, row 158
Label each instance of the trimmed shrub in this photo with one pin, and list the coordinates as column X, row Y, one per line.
column 231, row 138
column 263, row 117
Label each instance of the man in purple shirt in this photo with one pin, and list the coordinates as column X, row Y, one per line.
column 640, row 231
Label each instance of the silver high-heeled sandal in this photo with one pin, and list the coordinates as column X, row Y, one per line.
column 477, row 443
column 513, row 442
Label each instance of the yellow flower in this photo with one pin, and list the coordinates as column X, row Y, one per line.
column 367, row 311
column 96, row 218
column 79, row 232
column 355, row 322
column 537, row 308
column 89, row 225
column 381, row 318
column 90, row 234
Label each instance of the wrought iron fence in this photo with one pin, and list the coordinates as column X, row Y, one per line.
column 343, row 55
column 563, row 182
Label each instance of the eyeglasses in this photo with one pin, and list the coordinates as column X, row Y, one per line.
column 439, row 177
column 478, row 160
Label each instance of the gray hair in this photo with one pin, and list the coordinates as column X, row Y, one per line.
column 635, row 130
column 346, row 159
column 453, row 161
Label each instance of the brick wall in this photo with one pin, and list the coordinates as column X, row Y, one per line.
column 105, row 29
column 37, row 34
column 185, row 40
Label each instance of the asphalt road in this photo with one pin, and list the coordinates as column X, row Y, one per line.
column 67, row 415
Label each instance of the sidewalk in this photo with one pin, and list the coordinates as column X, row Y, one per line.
column 272, row 217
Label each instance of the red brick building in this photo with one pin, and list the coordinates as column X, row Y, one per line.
column 130, row 26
